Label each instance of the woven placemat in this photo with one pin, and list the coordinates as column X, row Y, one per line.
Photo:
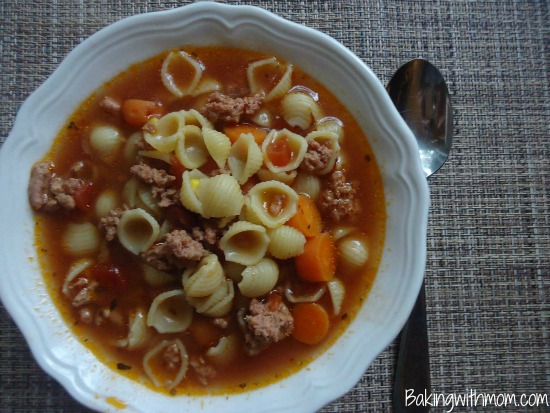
column 488, row 265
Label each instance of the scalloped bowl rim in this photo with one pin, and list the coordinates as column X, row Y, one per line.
column 107, row 53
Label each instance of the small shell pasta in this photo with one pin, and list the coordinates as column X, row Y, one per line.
column 106, row 201
column 329, row 139
column 284, row 177
column 206, row 85
column 233, row 270
column 204, row 279
column 333, row 125
column 137, row 230
column 337, row 292
column 138, row 333
column 146, row 200
column 81, row 239
column 180, row 62
column 300, row 110
column 106, row 142
column 218, row 303
column 154, row 154
column 220, row 196
column 296, row 143
column 153, row 364
column 245, row 158
column 269, row 68
column 193, row 117
column 163, row 134
column 217, row 144
column 272, row 202
column 156, row 278
column 190, row 149
column 244, row 243
column 286, row 242
column 225, row 351
column 76, row 269
column 170, row 312
column 304, row 298
column 307, row 184
column 259, row 279
column 191, row 181
column 130, row 150
column 129, row 192
column 353, row 250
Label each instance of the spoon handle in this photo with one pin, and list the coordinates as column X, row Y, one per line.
column 412, row 376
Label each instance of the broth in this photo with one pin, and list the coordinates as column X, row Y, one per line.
column 123, row 289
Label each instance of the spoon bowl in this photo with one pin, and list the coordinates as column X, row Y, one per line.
column 420, row 94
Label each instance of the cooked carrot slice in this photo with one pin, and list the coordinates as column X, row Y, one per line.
column 318, row 261
column 234, row 131
column 307, row 219
column 311, row 323
column 137, row 112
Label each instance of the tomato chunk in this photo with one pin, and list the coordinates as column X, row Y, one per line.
column 110, row 277
column 279, row 152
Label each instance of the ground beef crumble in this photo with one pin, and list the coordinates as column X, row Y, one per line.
column 49, row 192
column 171, row 357
column 338, row 198
column 109, row 225
column 317, row 157
column 205, row 371
column 175, row 250
column 162, row 184
column 225, row 108
column 266, row 325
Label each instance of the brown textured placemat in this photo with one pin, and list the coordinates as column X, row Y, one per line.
column 488, row 265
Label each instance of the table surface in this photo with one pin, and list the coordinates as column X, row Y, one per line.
column 488, row 258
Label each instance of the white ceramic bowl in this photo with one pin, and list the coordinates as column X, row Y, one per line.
column 110, row 51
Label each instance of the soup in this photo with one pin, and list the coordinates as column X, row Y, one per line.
column 210, row 220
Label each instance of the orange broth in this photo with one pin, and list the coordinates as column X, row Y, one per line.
column 143, row 81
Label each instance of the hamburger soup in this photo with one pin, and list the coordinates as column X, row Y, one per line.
column 209, row 220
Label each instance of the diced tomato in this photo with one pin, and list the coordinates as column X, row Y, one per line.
column 274, row 300
column 247, row 186
column 279, row 152
column 110, row 277
column 84, row 196
column 177, row 169
column 179, row 216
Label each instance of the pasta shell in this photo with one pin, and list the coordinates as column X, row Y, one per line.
column 154, row 367
column 259, row 279
column 161, row 156
column 130, row 150
column 284, row 177
column 146, row 201
column 263, row 118
column 269, row 68
column 81, row 239
column 217, row 304
column 296, row 143
column 307, row 184
column 129, row 192
column 244, row 243
column 333, row 125
column 220, row 197
column 286, row 242
column 138, row 333
column 217, row 144
column 337, row 292
column 106, row 142
column 233, row 270
column 225, row 351
column 170, row 312
column 76, row 269
column 206, row 85
column 204, row 279
column 163, row 134
column 156, row 278
column 245, row 158
column 191, row 181
column 353, row 250
column 185, row 64
column 272, row 202
column 191, row 150
column 305, row 298
column 193, row 117
column 108, row 200
column 137, row 230
column 296, row 109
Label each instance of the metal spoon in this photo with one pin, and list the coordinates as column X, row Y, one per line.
column 420, row 94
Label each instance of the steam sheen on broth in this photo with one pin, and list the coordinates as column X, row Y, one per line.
column 210, row 220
